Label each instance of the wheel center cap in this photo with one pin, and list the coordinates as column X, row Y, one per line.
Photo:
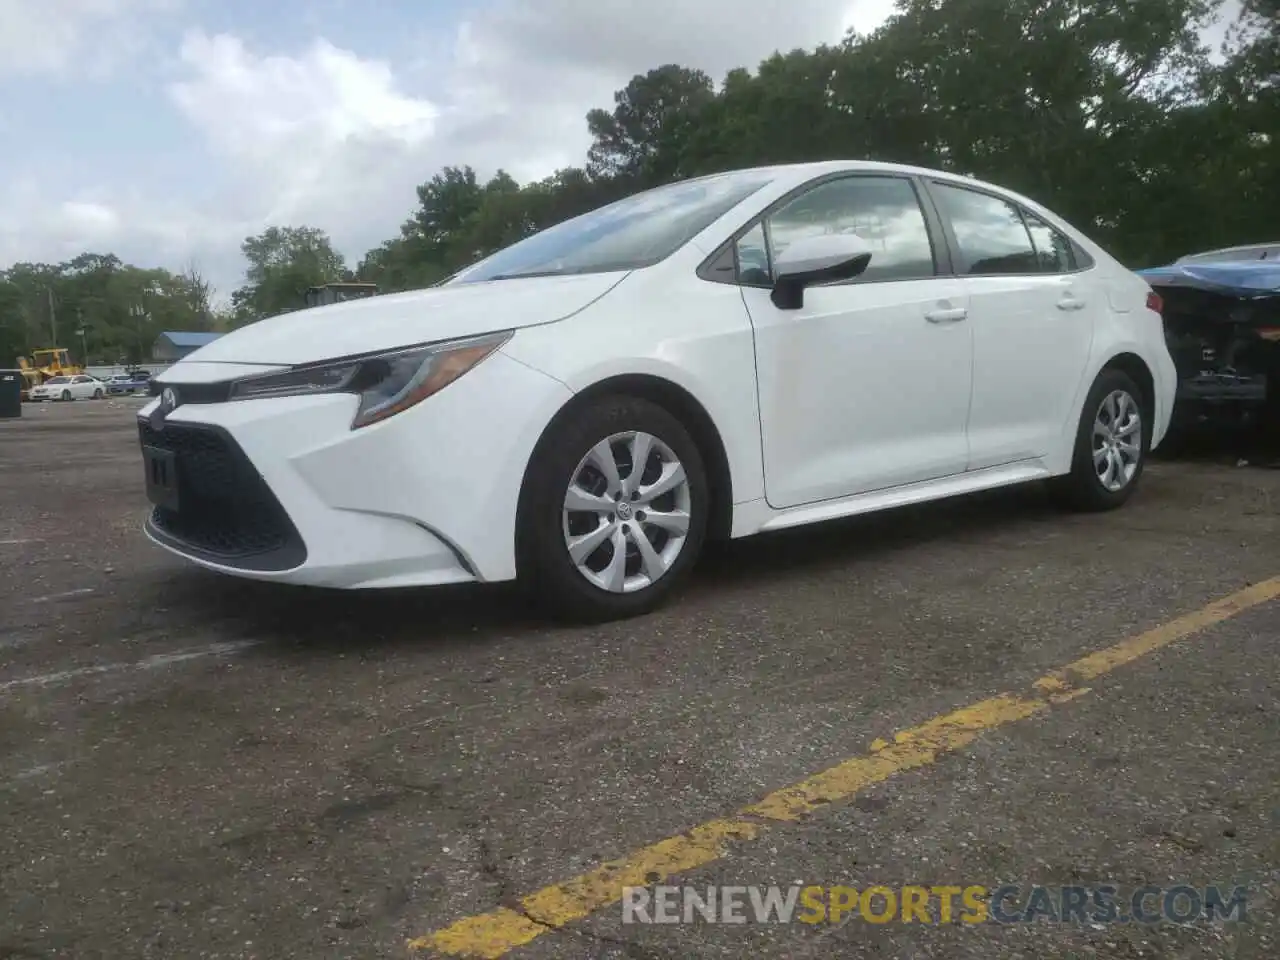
column 624, row 510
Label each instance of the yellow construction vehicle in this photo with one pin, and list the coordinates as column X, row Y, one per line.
column 43, row 364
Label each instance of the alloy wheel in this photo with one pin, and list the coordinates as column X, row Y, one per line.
column 626, row 512
column 1117, row 440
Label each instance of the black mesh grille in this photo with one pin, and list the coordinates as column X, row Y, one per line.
column 226, row 512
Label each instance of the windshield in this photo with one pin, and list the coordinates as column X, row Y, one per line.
column 629, row 234
column 57, row 380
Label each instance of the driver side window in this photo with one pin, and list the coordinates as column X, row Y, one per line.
column 884, row 211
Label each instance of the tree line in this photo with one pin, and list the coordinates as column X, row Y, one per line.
column 1114, row 114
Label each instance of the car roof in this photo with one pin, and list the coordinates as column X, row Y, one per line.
column 790, row 175
column 809, row 169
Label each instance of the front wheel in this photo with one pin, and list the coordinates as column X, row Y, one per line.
column 1111, row 446
column 614, row 512
column 97, row 394
column 66, row 394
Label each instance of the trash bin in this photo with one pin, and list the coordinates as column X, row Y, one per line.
column 10, row 394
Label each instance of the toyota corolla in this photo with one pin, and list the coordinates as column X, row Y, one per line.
column 715, row 358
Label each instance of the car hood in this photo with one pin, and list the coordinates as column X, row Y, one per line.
column 403, row 319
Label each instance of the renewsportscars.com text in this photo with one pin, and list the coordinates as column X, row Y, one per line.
column 942, row 904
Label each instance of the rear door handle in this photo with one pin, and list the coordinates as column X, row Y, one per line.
column 947, row 315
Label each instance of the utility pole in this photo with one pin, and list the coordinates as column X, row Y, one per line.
column 137, row 311
column 53, row 317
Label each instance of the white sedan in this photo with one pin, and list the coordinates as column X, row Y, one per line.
column 715, row 358
column 81, row 387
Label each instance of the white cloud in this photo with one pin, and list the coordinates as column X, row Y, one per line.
column 68, row 37
column 866, row 16
column 94, row 222
column 254, row 107
column 309, row 136
column 532, row 68
column 329, row 138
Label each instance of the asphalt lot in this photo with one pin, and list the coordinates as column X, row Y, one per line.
column 197, row 766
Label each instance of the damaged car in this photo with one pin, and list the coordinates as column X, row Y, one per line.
column 1221, row 314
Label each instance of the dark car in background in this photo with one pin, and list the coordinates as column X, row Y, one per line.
column 123, row 384
column 1247, row 252
column 1221, row 312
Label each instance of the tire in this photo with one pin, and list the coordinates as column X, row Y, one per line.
column 1083, row 488
column 97, row 394
column 66, row 394
column 564, row 456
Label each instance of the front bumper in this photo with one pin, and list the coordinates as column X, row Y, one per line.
column 282, row 489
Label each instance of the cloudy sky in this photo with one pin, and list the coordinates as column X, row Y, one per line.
column 168, row 130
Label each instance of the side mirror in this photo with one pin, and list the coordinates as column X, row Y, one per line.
column 813, row 260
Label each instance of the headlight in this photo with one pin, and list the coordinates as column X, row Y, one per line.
column 386, row 383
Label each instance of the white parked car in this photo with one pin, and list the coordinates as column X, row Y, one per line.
column 80, row 387
column 715, row 358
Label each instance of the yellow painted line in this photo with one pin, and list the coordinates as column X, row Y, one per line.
column 1126, row 651
column 912, row 748
column 495, row 933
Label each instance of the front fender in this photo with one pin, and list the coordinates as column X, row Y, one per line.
column 706, row 350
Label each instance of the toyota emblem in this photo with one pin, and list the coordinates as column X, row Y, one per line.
column 168, row 400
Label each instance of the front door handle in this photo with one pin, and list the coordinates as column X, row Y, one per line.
column 947, row 315
column 1069, row 302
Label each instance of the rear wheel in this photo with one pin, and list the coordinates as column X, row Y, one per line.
column 97, row 394
column 1111, row 446
column 66, row 394
column 614, row 512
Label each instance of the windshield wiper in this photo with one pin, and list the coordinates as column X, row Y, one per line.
column 612, row 266
column 527, row 276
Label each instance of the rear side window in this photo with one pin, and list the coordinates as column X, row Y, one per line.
column 1053, row 250
column 884, row 211
column 989, row 231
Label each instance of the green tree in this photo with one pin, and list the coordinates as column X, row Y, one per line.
column 653, row 117
column 283, row 262
column 13, row 332
column 121, row 308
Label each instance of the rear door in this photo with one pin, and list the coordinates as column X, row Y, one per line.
column 1032, row 312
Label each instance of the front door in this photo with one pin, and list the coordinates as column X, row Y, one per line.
column 867, row 385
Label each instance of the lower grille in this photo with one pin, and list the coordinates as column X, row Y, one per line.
column 226, row 512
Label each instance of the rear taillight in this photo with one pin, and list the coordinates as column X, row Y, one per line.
column 1155, row 303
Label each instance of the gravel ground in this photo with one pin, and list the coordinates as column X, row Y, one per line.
column 197, row 766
